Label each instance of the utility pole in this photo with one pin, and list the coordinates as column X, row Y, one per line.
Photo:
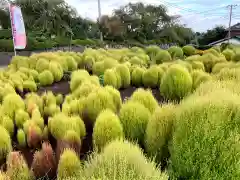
column 99, row 17
column 230, row 20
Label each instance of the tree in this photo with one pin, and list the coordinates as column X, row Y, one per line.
column 217, row 33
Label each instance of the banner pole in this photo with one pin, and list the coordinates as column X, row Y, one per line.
column 12, row 28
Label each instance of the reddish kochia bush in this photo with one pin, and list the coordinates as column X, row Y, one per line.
column 44, row 162
column 34, row 136
column 71, row 140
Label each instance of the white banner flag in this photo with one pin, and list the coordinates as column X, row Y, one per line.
column 18, row 28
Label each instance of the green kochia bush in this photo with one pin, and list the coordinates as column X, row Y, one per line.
column 69, row 166
column 159, row 132
column 206, row 141
column 189, row 50
column 97, row 102
column 5, row 143
column 176, row 83
column 124, row 158
column 110, row 78
column 162, row 56
column 116, row 96
column 146, row 98
column 200, row 77
column 134, row 118
column 176, row 52
column 124, row 73
column 137, row 74
column 236, row 57
column 45, row 78
column 150, row 77
column 106, row 129
column 228, row 53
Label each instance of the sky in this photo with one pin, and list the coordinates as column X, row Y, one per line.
column 200, row 15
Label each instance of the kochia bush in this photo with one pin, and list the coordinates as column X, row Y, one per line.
column 45, row 78
column 159, row 131
column 127, row 158
column 5, row 143
column 97, row 102
column 150, row 77
column 137, row 74
column 206, row 137
column 176, row 83
column 162, row 56
column 110, row 78
column 189, row 50
column 124, row 73
column 106, row 129
column 134, row 118
column 176, row 52
column 69, row 165
column 146, row 98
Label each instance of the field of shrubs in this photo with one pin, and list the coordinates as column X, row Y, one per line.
column 123, row 114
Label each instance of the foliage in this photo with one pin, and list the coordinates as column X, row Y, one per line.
column 206, row 126
column 159, row 132
column 106, row 129
column 134, row 118
column 176, row 83
column 127, row 159
column 146, row 98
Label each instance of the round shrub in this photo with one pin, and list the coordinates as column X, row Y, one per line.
column 45, row 78
column 159, row 132
column 77, row 78
column 21, row 138
column 127, row 159
column 8, row 124
column 124, row 73
column 146, row 98
column 228, row 53
column 176, row 83
column 199, row 78
column 197, row 65
column 187, row 65
column 17, row 168
column 150, row 78
column 69, row 165
column 212, row 51
column 106, row 129
column 5, row 143
column 162, row 56
column 192, row 58
column 21, row 116
column 236, row 57
column 97, row 102
column 134, row 118
column 34, row 74
column 110, row 78
column 116, row 96
column 219, row 66
column 206, row 137
column 30, row 86
column 209, row 61
column 71, row 63
column 12, row 103
column 42, row 64
column 176, row 52
column 98, row 68
column 152, row 51
column 84, row 89
column 189, row 50
column 56, row 70
column 137, row 74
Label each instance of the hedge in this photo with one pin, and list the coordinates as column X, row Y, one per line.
column 39, row 43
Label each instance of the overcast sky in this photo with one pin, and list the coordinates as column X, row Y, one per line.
column 197, row 14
